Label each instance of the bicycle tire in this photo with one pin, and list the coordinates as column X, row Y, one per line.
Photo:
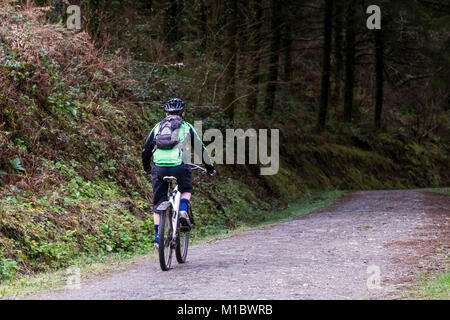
column 182, row 246
column 165, row 234
column 191, row 215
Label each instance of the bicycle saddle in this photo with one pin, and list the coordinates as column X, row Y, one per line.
column 170, row 179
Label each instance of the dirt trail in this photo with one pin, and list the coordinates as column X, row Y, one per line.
column 326, row 255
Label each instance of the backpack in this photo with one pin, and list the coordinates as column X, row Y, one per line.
column 168, row 136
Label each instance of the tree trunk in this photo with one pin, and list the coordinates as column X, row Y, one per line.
column 230, row 59
column 379, row 69
column 217, row 20
column 349, row 61
column 203, row 24
column 93, row 24
column 58, row 11
column 172, row 21
column 338, row 25
column 287, row 45
column 323, row 106
column 147, row 5
column 273, row 57
column 252, row 100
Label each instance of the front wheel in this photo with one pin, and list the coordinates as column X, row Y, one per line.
column 165, row 239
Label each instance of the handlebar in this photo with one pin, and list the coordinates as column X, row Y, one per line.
column 196, row 167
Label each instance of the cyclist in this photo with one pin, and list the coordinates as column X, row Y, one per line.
column 166, row 143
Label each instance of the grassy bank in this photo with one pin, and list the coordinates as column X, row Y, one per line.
column 94, row 267
column 433, row 286
column 436, row 288
column 444, row 191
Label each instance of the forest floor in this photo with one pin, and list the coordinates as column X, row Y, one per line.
column 370, row 245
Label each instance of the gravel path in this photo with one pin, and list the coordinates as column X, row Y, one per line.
column 330, row 254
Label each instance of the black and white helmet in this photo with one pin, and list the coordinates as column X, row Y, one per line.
column 174, row 105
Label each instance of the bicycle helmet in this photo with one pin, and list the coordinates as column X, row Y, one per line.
column 174, row 106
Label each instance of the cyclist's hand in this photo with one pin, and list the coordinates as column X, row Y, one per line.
column 209, row 170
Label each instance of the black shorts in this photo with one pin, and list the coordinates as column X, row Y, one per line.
column 183, row 173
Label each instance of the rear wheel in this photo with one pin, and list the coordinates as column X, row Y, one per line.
column 181, row 249
column 165, row 238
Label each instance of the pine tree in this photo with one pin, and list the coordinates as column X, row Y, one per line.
column 349, row 60
column 230, row 53
column 274, row 56
column 326, row 64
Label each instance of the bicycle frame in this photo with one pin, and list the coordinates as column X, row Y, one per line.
column 174, row 200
